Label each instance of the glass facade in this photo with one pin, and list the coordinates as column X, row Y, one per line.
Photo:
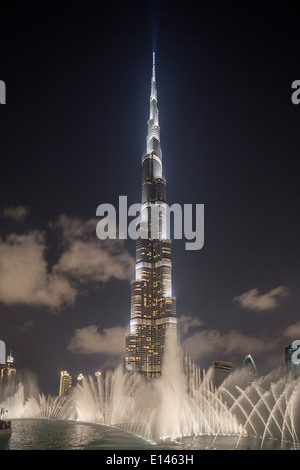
column 153, row 308
column 249, row 364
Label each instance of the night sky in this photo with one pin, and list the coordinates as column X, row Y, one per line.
column 72, row 135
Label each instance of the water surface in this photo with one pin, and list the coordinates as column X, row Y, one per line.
column 49, row 434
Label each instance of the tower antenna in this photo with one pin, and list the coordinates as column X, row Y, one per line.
column 153, row 67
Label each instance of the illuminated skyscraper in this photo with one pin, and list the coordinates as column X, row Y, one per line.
column 65, row 384
column 153, row 308
column 80, row 379
column 8, row 369
column 249, row 364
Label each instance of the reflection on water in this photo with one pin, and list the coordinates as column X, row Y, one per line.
column 43, row 434
column 48, row 434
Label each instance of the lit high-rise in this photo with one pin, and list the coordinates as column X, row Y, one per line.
column 65, row 383
column 153, row 308
column 8, row 369
column 250, row 366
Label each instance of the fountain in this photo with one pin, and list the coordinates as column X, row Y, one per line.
column 181, row 403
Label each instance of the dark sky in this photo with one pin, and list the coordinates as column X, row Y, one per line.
column 72, row 135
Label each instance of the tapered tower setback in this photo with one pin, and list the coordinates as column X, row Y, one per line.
column 153, row 308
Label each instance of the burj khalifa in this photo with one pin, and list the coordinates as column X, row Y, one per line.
column 153, row 307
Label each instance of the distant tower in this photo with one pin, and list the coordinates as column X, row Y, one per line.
column 65, row 383
column 221, row 370
column 80, row 379
column 249, row 364
column 153, row 308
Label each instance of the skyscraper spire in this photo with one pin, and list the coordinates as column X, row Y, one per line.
column 153, row 67
column 153, row 137
column 153, row 308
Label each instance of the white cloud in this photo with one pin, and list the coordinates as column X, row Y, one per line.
column 24, row 276
column 186, row 323
column 212, row 342
column 88, row 259
column 293, row 331
column 254, row 300
column 89, row 340
column 27, row 278
column 200, row 342
column 74, row 227
column 17, row 213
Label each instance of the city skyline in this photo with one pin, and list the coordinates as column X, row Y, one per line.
column 72, row 135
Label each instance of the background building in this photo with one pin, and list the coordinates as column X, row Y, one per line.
column 80, row 379
column 250, row 366
column 221, row 370
column 8, row 370
column 65, row 383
